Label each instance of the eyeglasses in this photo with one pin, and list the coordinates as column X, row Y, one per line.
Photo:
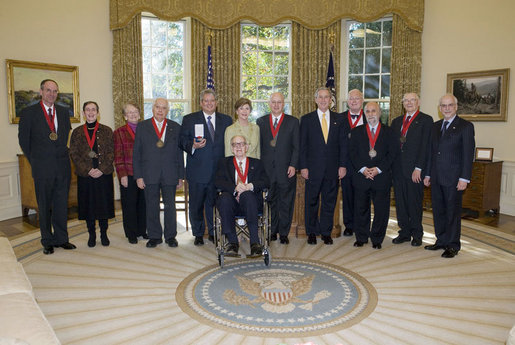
column 240, row 144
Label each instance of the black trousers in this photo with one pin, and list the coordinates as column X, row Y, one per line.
column 152, row 198
column 282, row 201
column 229, row 208
column 327, row 191
column 133, row 209
column 52, row 198
column 446, row 202
column 201, row 199
column 362, row 200
column 408, row 206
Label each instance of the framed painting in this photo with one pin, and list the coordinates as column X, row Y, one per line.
column 23, row 84
column 482, row 95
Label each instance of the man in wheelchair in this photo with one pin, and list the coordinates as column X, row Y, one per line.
column 241, row 180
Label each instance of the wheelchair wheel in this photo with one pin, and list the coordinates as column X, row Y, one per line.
column 221, row 260
column 267, row 257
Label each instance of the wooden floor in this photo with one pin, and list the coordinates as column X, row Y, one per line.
column 16, row 227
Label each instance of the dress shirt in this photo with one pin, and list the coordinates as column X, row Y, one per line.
column 213, row 119
column 327, row 118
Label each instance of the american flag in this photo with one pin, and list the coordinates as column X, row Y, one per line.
column 330, row 82
column 210, row 80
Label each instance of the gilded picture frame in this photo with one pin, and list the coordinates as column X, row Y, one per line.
column 482, row 95
column 23, row 84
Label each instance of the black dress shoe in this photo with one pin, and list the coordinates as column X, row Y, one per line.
column 327, row 239
column 92, row 240
column 133, row 240
column 104, row 239
column 399, row 239
column 348, row 232
column 376, row 246
column 67, row 246
column 284, row 239
column 416, row 242
column 145, row 236
column 449, row 253
column 434, row 247
column 232, row 249
column 153, row 243
column 199, row 241
column 172, row 242
column 256, row 250
column 359, row 244
column 273, row 237
column 48, row 250
column 211, row 238
column 312, row 239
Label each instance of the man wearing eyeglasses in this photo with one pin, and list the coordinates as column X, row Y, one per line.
column 449, row 172
column 413, row 131
column 241, row 180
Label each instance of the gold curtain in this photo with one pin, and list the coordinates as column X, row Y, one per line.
column 225, row 13
column 310, row 58
column 127, row 68
column 225, row 52
column 406, row 64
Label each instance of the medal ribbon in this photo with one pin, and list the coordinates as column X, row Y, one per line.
column 371, row 141
column 91, row 141
column 352, row 125
column 405, row 125
column 47, row 117
column 130, row 131
column 274, row 132
column 159, row 134
column 244, row 176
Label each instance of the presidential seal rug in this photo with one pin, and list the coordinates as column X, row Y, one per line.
column 292, row 297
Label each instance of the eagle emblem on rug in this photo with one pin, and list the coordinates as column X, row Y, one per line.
column 276, row 291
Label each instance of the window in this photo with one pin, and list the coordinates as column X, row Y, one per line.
column 165, row 73
column 265, row 65
column 369, row 51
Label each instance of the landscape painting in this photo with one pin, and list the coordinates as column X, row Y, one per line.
column 24, row 80
column 482, row 96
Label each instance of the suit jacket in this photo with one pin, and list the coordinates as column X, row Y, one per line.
column 414, row 152
column 225, row 174
column 201, row 165
column 346, row 132
column 386, row 148
column 79, row 149
column 158, row 165
column 47, row 158
column 322, row 160
column 285, row 153
column 452, row 154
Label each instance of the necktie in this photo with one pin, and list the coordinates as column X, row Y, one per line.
column 325, row 131
column 406, row 121
column 275, row 123
column 444, row 127
column 373, row 133
column 354, row 117
column 51, row 115
column 211, row 128
column 240, row 166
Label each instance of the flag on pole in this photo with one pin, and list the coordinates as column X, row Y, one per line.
column 330, row 82
column 210, row 81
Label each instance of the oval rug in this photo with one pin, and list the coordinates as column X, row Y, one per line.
column 292, row 297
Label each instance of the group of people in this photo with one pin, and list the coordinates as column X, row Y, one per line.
column 241, row 159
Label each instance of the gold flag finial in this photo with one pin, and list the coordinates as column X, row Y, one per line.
column 332, row 38
column 210, row 34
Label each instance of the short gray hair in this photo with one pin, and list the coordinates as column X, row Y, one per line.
column 321, row 88
column 207, row 91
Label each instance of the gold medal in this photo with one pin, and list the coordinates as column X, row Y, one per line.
column 160, row 143
column 53, row 136
column 403, row 139
column 92, row 154
column 273, row 142
column 372, row 153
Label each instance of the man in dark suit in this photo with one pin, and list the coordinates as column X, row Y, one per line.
column 43, row 136
column 241, row 180
column 158, row 165
column 322, row 160
column 353, row 117
column 372, row 151
column 202, row 138
column 413, row 131
column 279, row 137
column 449, row 172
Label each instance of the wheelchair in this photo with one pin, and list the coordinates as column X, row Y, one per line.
column 242, row 231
